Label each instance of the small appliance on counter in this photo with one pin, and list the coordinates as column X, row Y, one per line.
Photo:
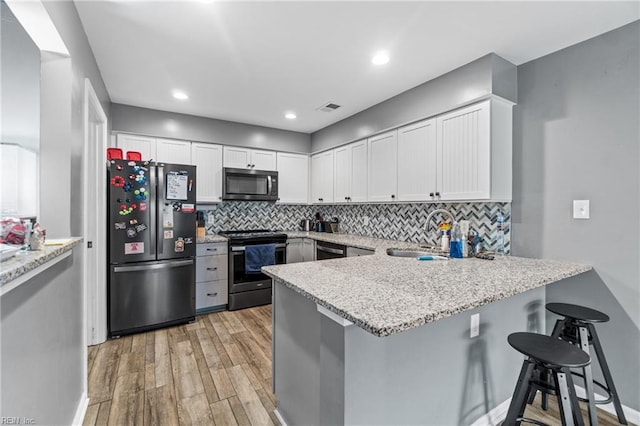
column 305, row 225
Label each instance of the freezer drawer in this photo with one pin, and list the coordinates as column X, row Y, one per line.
column 209, row 249
column 211, row 293
column 150, row 295
column 211, row 268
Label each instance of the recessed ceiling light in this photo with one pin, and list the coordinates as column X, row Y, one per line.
column 290, row 116
column 180, row 95
column 380, row 58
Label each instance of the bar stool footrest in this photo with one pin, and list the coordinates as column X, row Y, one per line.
column 532, row 421
column 607, row 400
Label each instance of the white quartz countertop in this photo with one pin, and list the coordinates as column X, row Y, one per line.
column 26, row 261
column 386, row 295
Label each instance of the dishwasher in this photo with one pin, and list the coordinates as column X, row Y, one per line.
column 325, row 250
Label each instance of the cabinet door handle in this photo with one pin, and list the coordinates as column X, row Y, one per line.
column 319, row 199
column 248, row 166
column 437, row 194
column 393, row 196
column 431, row 194
column 212, row 269
column 212, row 294
column 346, row 198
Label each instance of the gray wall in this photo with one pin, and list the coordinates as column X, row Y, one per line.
column 71, row 116
column 20, row 73
column 576, row 136
column 485, row 76
column 144, row 121
column 41, row 328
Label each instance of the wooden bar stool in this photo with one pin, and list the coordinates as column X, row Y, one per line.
column 546, row 353
column 577, row 327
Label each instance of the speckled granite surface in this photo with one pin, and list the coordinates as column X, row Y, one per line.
column 27, row 261
column 211, row 239
column 386, row 295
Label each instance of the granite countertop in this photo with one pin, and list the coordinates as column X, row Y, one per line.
column 26, row 261
column 386, row 295
column 211, row 239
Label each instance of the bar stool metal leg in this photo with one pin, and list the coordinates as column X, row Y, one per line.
column 519, row 399
column 575, row 407
column 564, row 402
column 544, row 398
column 607, row 374
column 583, row 338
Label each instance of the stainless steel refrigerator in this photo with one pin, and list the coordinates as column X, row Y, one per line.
column 152, row 245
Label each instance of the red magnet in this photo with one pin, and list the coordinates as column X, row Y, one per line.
column 117, row 181
column 123, row 207
column 133, row 206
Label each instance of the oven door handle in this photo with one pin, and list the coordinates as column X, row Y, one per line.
column 330, row 250
column 242, row 248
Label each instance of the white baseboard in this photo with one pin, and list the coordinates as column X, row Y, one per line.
column 280, row 418
column 81, row 410
column 499, row 413
column 495, row 416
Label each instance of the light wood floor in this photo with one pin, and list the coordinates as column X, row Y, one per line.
column 216, row 371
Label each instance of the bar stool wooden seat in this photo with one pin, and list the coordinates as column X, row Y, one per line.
column 546, row 353
column 577, row 327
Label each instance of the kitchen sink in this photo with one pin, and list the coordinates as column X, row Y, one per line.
column 400, row 252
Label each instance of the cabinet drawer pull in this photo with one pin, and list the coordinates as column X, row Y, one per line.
column 260, row 285
column 212, row 269
column 212, row 249
column 212, row 294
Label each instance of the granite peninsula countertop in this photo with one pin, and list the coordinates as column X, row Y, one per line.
column 26, row 261
column 215, row 238
column 386, row 295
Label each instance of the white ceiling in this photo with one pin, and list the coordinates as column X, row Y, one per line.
column 252, row 61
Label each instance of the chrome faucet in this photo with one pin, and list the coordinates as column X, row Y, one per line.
column 428, row 221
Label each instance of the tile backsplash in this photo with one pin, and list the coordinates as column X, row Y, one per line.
column 402, row 222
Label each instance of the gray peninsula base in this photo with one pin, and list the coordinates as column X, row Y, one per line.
column 327, row 373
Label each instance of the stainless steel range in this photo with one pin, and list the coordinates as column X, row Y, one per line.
column 247, row 289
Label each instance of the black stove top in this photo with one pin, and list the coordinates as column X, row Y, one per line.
column 254, row 236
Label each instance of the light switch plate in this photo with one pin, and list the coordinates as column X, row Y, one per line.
column 475, row 325
column 581, row 209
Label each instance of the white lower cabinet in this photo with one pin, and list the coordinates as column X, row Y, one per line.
column 294, row 250
column 308, row 250
column 211, row 277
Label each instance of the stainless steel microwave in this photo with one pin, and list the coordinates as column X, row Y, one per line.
column 248, row 184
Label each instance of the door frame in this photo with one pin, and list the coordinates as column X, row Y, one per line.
column 95, row 205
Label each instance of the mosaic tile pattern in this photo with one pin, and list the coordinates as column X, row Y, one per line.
column 403, row 222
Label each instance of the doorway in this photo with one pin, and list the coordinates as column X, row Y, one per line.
column 95, row 242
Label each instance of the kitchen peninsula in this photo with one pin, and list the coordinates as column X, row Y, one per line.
column 385, row 340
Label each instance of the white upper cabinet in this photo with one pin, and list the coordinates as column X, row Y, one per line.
column 245, row 158
column 293, row 178
column 383, row 167
column 173, row 151
column 322, row 177
column 350, row 172
column 417, row 161
column 464, row 151
column 142, row 144
column 208, row 161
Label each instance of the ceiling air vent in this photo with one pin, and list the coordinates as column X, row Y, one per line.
column 328, row 107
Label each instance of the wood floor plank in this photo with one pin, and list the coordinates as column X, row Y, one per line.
column 163, row 373
column 224, row 387
column 232, row 322
column 127, row 405
column 150, row 347
column 138, row 342
column 252, row 353
column 248, row 397
column 195, row 411
column 103, row 413
column 238, row 411
column 224, row 357
column 222, row 414
column 203, row 368
column 125, row 344
column 209, row 351
column 103, row 375
column 160, row 406
column 92, row 352
column 130, row 362
column 150, row 376
column 268, row 405
column 91, row 415
column 252, row 374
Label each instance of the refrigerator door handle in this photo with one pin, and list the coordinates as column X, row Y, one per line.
column 164, row 265
column 152, row 213
column 161, row 201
